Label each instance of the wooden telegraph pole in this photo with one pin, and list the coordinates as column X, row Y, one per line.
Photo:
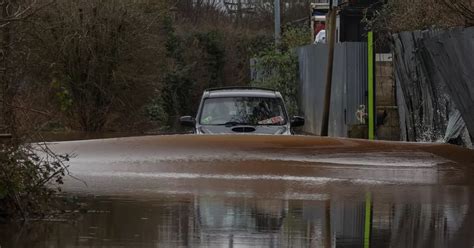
column 331, row 39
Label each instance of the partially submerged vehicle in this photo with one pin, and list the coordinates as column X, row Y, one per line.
column 242, row 110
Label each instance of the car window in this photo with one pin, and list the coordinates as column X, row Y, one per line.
column 243, row 110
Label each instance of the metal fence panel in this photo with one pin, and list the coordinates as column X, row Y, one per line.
column 349, row 85
column 337, row 123
column 434, row 72
column 356, row 79
column 451, row 56
column 312, row 64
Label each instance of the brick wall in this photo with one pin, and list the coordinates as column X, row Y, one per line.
column 386, row 102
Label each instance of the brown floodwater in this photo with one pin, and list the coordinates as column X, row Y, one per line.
column 259, row 191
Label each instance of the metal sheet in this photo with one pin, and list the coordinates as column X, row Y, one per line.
column 312, row 64
column 434, row 71
column 349, row 85
column 451, row 57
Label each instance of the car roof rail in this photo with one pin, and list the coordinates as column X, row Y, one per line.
column 240, row 88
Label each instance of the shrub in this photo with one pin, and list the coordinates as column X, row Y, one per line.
column 278, row 68
column 29, row 178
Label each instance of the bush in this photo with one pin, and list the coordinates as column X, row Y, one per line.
column 204, row 58
column 29, row 178
column 279, row 71
column 278, row 68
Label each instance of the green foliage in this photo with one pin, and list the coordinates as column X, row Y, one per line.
column 294, row 37
column 26, row 179
column 278, row 68
column 194, row 61
column 155, row 112
column 63, row 96
column 177, row 81
column 174, row 44
column 255, row 45
column 279, row 71
column 212, row 43
column 176, row 92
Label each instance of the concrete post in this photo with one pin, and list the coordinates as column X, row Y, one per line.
column 277, row 22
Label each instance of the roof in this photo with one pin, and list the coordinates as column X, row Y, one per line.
column 241, row 91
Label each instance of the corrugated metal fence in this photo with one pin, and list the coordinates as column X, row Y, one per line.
column 349, row 86
column 435, row 80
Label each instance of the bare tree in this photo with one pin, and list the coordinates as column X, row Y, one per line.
column 27, row 172
column 93, row 45
column 464, row 7
column 12, row 15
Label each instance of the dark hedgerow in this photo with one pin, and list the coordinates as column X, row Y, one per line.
column 30, row 177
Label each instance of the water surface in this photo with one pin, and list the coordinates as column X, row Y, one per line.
column 189, row 191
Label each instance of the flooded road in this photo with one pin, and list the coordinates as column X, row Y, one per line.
column 260, row 191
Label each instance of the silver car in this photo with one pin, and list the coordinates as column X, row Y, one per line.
column 242, row 110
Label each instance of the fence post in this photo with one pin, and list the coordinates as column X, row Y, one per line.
column 370, row 86
column 367, row 220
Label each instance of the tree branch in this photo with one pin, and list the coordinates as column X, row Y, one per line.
column 27, row 109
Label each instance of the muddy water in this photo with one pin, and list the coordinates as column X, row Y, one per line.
column 258, row 191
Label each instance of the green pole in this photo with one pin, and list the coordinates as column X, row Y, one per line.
column 368, row 217
column 370, row 77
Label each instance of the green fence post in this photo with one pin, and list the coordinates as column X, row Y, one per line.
column 368, row 220
column 370, row 77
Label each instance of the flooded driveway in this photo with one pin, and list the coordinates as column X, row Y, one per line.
column 260, row 191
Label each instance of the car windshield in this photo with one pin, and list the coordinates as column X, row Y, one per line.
column 243, row 111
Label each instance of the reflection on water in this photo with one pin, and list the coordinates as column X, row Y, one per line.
column 385, row 216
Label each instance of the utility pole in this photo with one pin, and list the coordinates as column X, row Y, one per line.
column 277, row 22
column 331, row 34
column 239, row 11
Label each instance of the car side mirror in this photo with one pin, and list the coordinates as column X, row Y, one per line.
column 187, row 121
column 297, row 121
